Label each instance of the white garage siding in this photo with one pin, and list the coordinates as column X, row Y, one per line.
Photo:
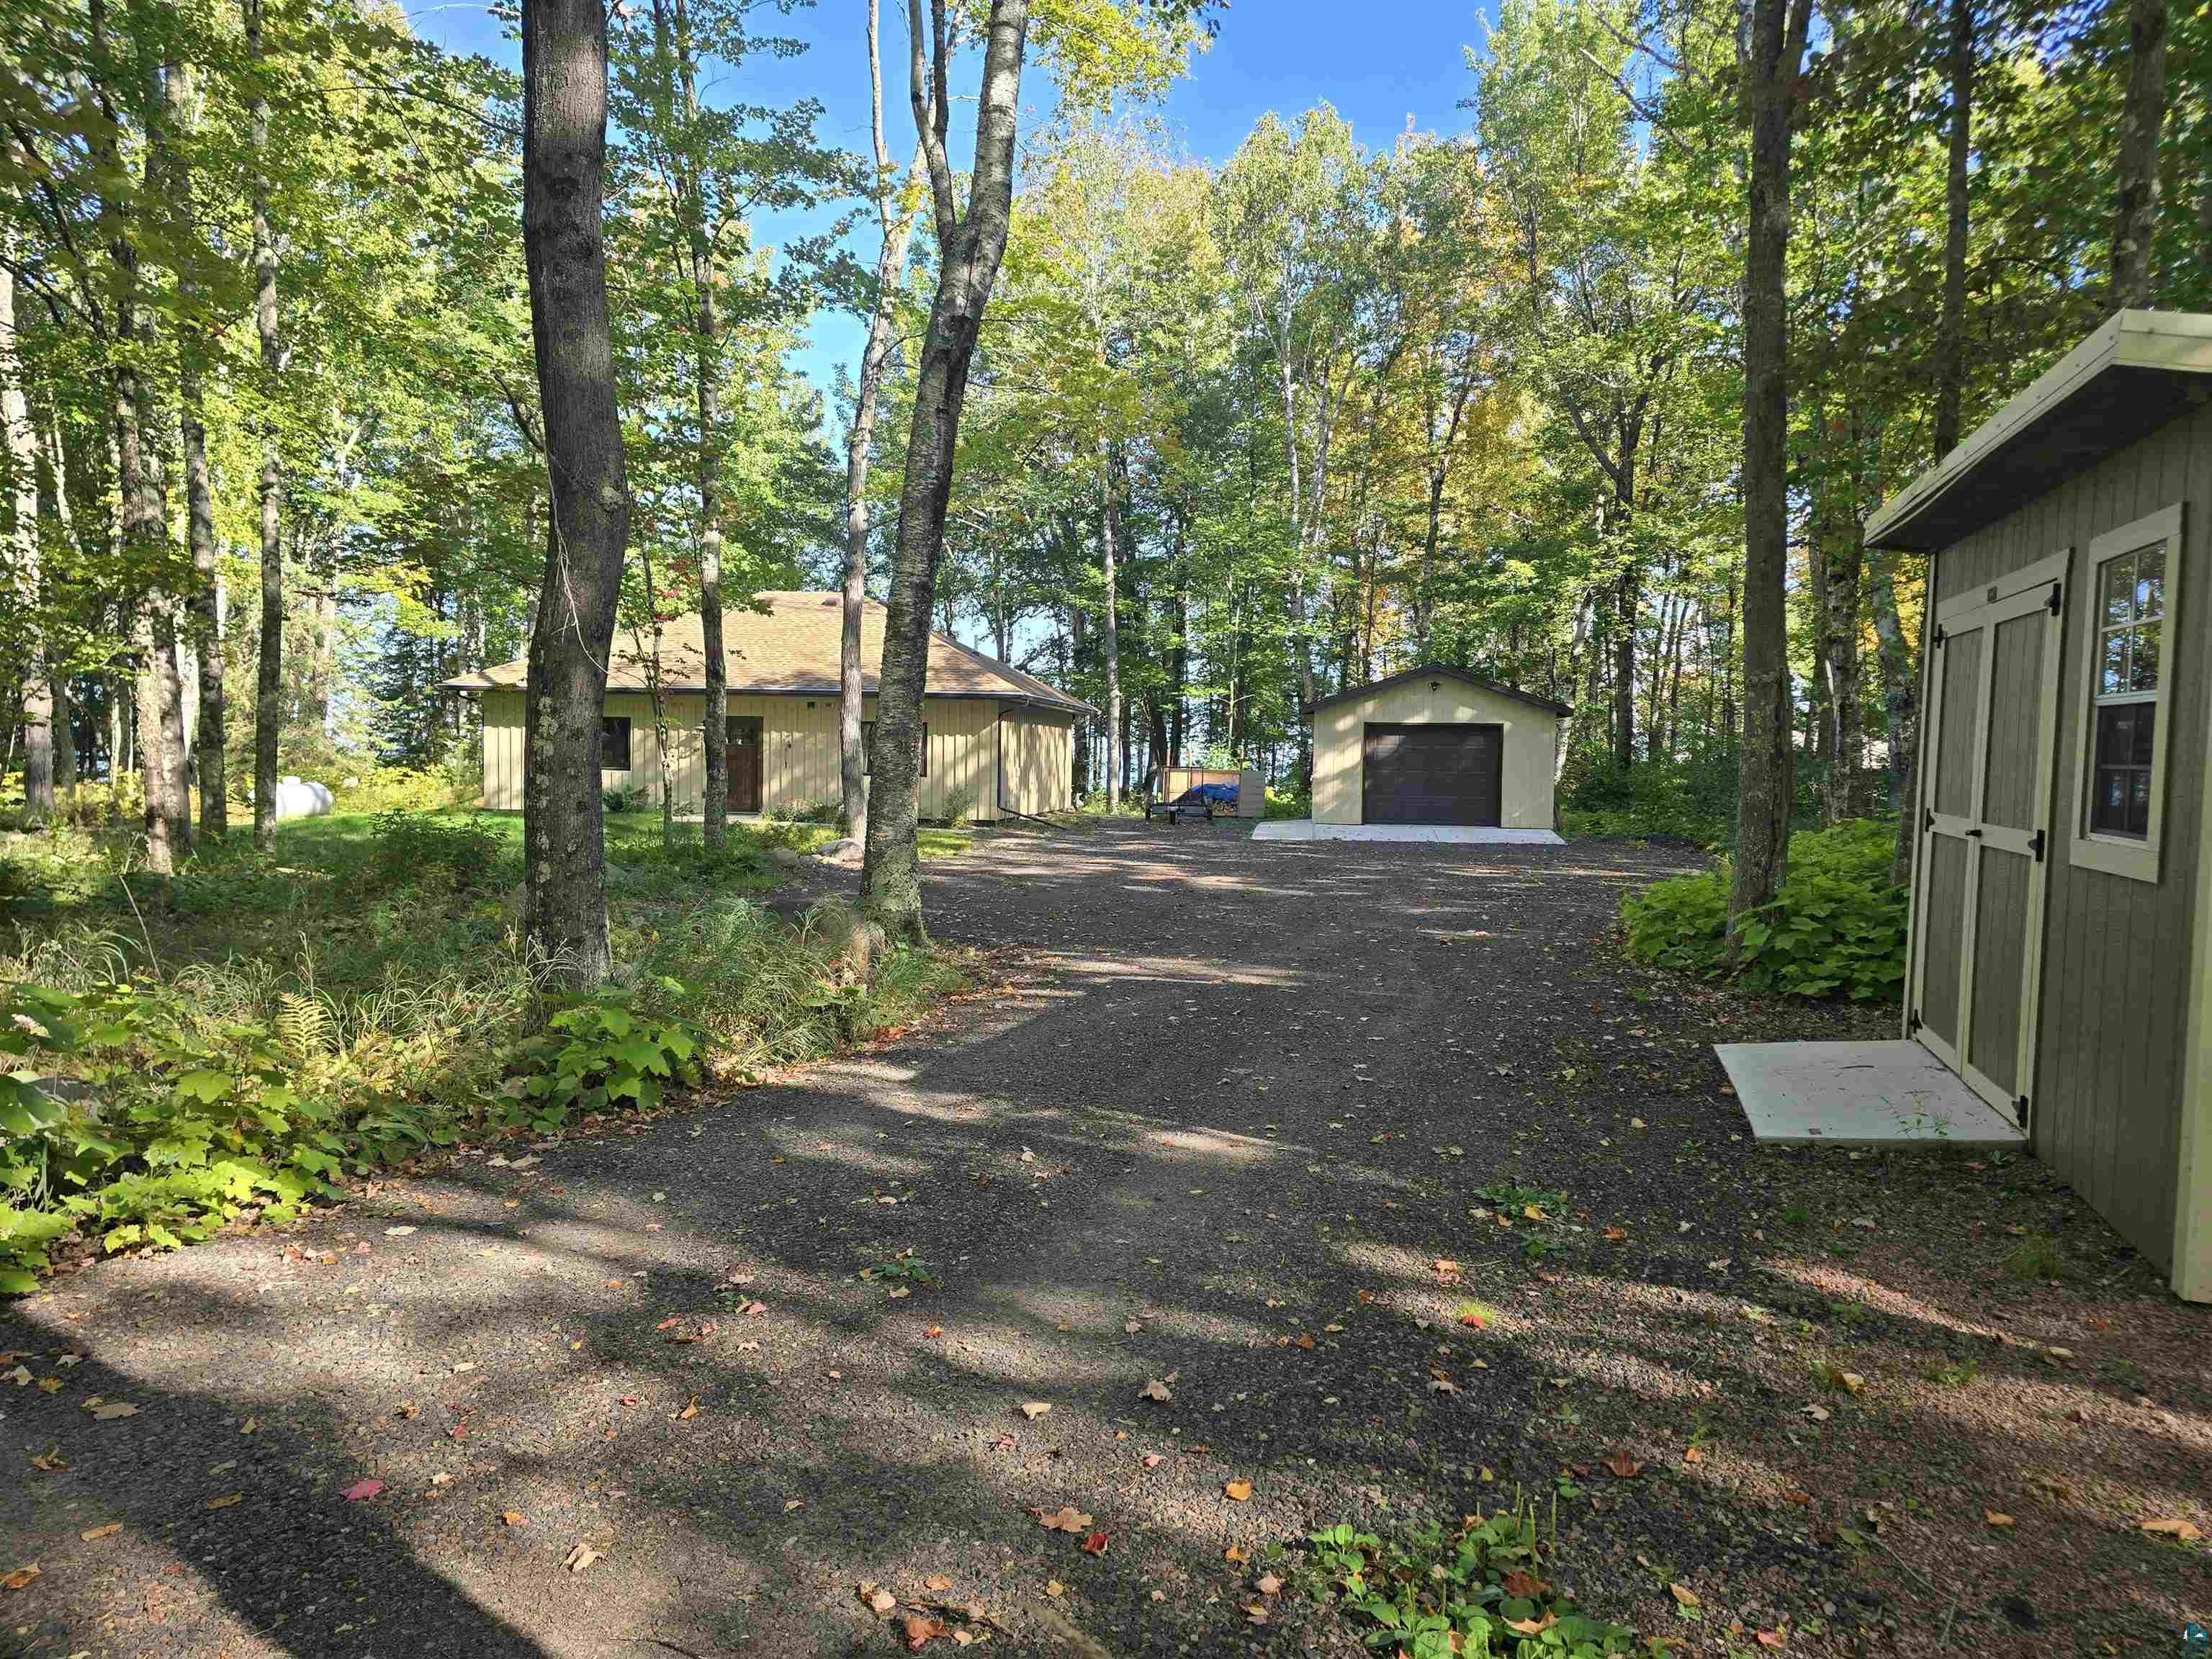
column 1531, row 741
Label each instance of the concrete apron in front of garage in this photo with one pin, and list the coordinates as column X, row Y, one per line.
column 1457, row 834
column 1859, row 1094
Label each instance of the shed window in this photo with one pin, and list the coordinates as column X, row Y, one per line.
column 2129, row 594
column 2130, row 608
column 614, row 742
column 868, row 748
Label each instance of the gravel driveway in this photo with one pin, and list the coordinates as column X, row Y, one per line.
column 1226, row 1111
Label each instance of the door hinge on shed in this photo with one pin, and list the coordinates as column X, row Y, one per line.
column 1927, row 818
column 2019, row 1110
column 2035, row 846
column 1939, row 636
column 2056, row 589
column 1914, row 1024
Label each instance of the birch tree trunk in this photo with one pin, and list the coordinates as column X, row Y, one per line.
column 1777, row 47
column 204, row 629
column 1116, row 739
column 564, row 117
column 23, row 468
column 970, row 250
column 2134, row 212
column 898, row 231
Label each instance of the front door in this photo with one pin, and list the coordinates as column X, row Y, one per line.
column 744, row 760
column 1987, row 757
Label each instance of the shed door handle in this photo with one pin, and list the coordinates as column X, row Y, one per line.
column 1976, row 834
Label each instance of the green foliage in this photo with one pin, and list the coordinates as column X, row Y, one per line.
column 1435, row 1594
column 1693, row 803
column 1837, row 926
column 597, row 1052
column 412, row 846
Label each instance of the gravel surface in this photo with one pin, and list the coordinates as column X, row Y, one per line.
column 1224, row 1122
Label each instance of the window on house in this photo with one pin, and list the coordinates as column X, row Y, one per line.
column 2128, row 591
column 2131, row 613
column 868, row 748
column 614, row 742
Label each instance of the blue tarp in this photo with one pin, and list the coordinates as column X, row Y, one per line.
column 1221, row 794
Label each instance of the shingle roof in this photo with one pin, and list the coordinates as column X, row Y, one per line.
column 790, row 648
column 1426, row 670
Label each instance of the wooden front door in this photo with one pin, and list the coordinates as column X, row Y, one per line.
column 745, row 753
column 1987, row 756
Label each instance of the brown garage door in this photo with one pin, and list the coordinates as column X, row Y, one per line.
column 1431, row 774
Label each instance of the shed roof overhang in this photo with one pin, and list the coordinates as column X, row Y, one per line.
column 2138, row 372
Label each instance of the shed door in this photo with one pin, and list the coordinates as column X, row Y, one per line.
column 1431, row 774
column 1985, row 820
column 744, row 756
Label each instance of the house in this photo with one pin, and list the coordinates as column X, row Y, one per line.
column 1435, row 745
column 995, row 741
column 2059, row 961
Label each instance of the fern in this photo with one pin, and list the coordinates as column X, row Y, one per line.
column 303, row 1026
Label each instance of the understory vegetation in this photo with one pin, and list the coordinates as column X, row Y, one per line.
column 1837, row 927
column 238, row 1039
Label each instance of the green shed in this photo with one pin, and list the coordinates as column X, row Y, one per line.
column 2059, row 958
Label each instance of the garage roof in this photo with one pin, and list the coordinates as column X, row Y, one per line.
column 1433, row 670
column 2129, row 379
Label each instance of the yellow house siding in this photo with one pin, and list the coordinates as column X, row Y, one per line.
column 799, row 751
column 1037, row 755
column 1530, row 745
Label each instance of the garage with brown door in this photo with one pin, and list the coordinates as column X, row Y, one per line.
column 1437, row 745
column 1439, row 774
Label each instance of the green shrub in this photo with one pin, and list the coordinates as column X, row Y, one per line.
column 360, row 788
column 1837, row 927
column 596, row 1051
column 1287, row 801
column 409, row 847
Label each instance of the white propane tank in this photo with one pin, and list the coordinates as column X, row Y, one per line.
column 298, row 798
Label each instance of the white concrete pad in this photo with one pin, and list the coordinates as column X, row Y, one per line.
column 1456, row 833
column 1859, row 1094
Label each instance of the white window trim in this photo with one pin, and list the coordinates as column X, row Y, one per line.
column 2122, row 856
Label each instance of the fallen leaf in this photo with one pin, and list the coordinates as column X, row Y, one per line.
column 398, row 1232
column 1999, row 1518
column 935, row 1331
column 1133, row 1326
column 1053, row 1587
column 1238, row 1491
column 1256, row 1613
column 514, row 1518
column 113, row 1409
column 1152, row 1460
column 1623, row 1466
column 1233, row 1554
column 50, row 1385
column 689, row 1410
column 2174, row 1528
column 920, row 1627
column 1616, row 1235
column 1692, row 1455
column 1095, row 1544
column 1033, row 1409
column 50, row 1460
column 1303, row 1340
column 1818, row 1413
column 361, row 1491
column 1445, row 1269
column 1473, row 1321
column 668, row 1324
column 224, row 1502
column 1532, row 1626
column 1771, row 1639
column 580, row 1557
column 19, row 1577
column 1154, row 1389
column 1684, row 1595
column 937, row 1583
column 1269, row 1583
column 1066, row 1518
column 1520, row 1582
column 1852, row 1380
column 94, row 1534
column 877, row 1597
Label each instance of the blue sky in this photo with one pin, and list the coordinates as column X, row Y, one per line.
column 1379, row 63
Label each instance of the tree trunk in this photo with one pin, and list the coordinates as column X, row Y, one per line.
column 707, row 373
column 204, row 629
column 1951, row 330
column 1846, row 739
column 1777, row 47
column 1900, row 699
column 564, row 115
column 1116, row 736
column 269, row 687
column 2135, row 213
column 898, row 231
column 23, row 469
column 970, row 250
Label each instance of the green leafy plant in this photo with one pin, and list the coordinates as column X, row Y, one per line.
column 405, row 847
column 1473, row 1590
column 1837, row 927
column 597, row 1051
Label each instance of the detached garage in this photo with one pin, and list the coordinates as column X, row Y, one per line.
column 1436, row 746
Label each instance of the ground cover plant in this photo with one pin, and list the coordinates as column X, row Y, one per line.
column 1837, row 927
column 232, row 1042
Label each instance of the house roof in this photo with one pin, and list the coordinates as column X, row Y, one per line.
column 1430, row 671
column 791, row 650
column 2138, row 372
